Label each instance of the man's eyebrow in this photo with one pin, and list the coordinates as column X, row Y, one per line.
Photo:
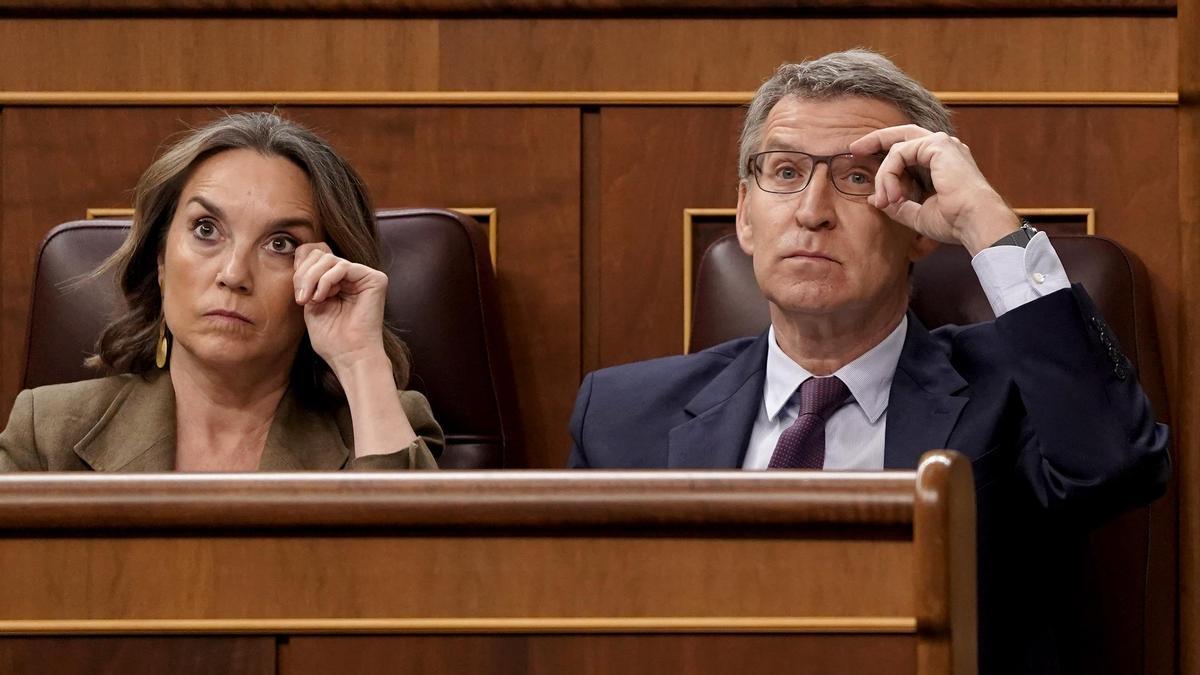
column 777, row 146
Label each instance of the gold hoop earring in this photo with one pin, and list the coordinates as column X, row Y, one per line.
column 164, row 345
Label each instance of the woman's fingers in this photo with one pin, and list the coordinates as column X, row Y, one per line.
column 329, row 283
column 307, row 276
column 322, row 275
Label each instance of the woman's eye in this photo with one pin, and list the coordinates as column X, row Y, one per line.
column 282, row 245
column 204, row 229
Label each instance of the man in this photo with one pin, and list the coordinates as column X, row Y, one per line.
column 849, row 174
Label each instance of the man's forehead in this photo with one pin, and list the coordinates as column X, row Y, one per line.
column 831, row 123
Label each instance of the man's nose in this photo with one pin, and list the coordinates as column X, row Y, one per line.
column 814, row 204
column 235, row 272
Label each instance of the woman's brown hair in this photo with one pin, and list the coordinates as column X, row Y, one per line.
column 346, row 217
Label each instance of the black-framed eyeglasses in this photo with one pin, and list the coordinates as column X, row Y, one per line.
column 790, row 171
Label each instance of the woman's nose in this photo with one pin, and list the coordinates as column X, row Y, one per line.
column 235, row 273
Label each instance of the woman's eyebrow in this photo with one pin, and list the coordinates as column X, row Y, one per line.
column 287, row 222
column 208, row 206
column 293, row 222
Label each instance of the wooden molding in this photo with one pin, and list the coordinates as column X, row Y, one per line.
column 1087, row 213
column 537, row 98
column 95, row 213
column 490, row 215
column 689, row 216
column 535, row 500
column 465, row 8
column 865, row 624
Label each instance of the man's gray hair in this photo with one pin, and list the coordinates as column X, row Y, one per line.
column 855, row 72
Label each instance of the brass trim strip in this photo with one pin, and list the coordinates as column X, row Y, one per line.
column 688, row 239
column 94, row 213
column 538, row 98
column 1088, row 213
column 865, row 624
column 492, row 215
column 490, row 212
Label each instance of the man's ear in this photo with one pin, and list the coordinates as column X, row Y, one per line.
column 920, row 247
column 745, row 232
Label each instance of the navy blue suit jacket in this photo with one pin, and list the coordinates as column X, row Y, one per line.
column 1057, row 429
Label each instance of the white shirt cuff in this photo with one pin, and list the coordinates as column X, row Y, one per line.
column 1012, row 276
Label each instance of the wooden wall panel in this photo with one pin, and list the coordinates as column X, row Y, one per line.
column 1009, row 54
column 60, row 161
column 174, row 655
column 218, row 54
column 654, row 163
column 1077, row 53
column 598, row 654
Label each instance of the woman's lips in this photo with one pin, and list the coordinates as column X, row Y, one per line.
column 228, row 314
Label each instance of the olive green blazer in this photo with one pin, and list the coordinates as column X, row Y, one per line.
column 126, row 423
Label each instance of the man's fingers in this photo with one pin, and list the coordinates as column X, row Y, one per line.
column 881, row 140
column 904, row 212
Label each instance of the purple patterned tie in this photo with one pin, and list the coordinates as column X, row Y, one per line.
column 802, row 445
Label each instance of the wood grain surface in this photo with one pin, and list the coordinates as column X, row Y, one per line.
column 497, row 499
column 339, row 8
column 174, row 655
column 328, row 578
column 1187, row 400
column 599, row 655
column 573, row 54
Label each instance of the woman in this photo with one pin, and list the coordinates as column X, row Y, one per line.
column 254, row 336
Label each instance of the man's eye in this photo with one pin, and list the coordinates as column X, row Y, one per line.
column 204, row 229
column 282, row 245
column 859, row 178
column 786, row 173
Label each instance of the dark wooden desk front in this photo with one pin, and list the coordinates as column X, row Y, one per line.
column 495, row 572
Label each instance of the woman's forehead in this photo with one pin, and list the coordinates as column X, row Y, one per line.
column 246, row 185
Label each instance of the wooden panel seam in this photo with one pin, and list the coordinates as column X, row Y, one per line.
column 819, row 624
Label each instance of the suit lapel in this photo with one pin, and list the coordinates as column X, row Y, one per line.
column 302, row 440
column 926, row 399
column 723, row 415
column 137, row 434
column 137, row 431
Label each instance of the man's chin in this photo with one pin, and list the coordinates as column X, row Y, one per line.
column 804, row 307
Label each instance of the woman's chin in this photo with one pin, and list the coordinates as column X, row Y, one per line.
column 232, row 354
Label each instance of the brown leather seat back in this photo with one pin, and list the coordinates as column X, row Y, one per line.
column 441, row 301
column 1124, row 614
